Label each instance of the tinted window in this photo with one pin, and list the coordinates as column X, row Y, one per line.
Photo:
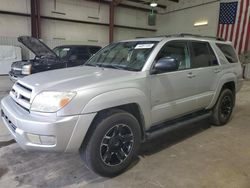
column 81, row 50
column 203, row 55
column 62, row 52
column 81, row 53
column 213, row 58
column 93, row 50
column 228, row 52
column 177, row 50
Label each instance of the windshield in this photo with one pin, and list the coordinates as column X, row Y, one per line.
column 123, row 55
column 62, row 52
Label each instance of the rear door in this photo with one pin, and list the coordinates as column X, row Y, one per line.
column 208, row 71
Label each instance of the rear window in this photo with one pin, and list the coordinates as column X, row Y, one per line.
column 228, row 52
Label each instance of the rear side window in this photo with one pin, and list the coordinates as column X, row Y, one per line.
column 203, row 55
column 228, row 52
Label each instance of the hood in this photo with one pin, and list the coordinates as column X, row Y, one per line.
column 36, row 46
column 77, row 78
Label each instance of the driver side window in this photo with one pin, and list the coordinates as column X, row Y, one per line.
column 177, row 50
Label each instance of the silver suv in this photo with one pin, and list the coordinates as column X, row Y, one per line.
column 126, row 94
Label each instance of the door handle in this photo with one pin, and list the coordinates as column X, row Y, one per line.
column 217, row 70
column 190, row 75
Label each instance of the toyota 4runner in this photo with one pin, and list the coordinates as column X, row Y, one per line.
column 129, row 92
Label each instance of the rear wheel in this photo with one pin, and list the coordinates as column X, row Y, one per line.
column 223, row 108
column 113, row 144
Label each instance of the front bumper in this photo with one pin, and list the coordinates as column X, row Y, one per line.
column 66, row 133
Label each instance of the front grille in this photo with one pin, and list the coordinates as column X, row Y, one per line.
column 10, row 124
column 21, row 94
column 25, row 87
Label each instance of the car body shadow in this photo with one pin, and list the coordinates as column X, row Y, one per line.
column 173, row 137
column 7, row 143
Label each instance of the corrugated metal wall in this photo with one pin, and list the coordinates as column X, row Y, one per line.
column 12, row 41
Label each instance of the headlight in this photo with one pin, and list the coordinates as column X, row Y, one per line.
column 51, row 101
column 26, row 69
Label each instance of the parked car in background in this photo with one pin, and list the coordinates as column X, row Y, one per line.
column 48, row 59
column 8, row 54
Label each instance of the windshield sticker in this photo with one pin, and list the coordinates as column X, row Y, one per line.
column 144, row 46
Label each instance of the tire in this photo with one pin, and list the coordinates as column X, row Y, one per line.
column 223, row 109
column 113, row 144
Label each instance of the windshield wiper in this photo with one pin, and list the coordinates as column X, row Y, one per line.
column 113, row 66
column 130, row 69
column 109, row 66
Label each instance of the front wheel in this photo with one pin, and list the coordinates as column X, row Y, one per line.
column 223, row 108
column 113, row 144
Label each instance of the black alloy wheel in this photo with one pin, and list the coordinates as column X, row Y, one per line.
column 226, row 107
column 112, row 143
column 116, row 145
column 223, row 109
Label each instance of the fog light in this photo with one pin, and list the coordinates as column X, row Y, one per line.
column 48, row 140
column 33, row 138
column 42, row 140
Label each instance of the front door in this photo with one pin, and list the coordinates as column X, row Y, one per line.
column 173, row 93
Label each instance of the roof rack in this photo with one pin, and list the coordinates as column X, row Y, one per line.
column 188, row 35
column 192, row 35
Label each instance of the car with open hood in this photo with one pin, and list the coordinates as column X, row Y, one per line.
column 48, row 59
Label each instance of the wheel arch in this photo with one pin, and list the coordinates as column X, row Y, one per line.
column 229, row 82
column 131, row 108
column 131, row 100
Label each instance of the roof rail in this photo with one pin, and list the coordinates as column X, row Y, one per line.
column 188, row 35
column 192, row 35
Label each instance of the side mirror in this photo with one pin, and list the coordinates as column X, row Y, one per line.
column 166, row 64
